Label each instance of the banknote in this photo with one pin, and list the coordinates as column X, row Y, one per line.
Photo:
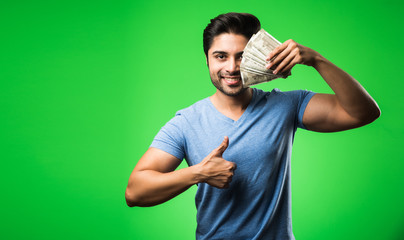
column 252, row 68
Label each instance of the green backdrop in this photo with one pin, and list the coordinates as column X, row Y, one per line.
column 86, row 85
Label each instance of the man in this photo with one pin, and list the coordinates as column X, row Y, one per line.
column 247, row 129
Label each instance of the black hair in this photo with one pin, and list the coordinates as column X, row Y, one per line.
column 238, row 23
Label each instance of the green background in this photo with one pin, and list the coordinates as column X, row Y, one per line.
column 86, row 85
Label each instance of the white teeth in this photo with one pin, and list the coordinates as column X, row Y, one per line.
column 232, row 79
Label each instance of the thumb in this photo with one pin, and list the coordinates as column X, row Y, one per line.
column 223, row 146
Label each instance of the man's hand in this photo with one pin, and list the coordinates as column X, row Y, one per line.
column 155, row 180
column 288, row 54
column 215, row 170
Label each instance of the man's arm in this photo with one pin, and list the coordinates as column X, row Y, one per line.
column 154, row 181
column 350, row 107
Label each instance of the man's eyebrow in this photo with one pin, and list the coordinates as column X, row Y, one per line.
column 219, row 52
column 223, row 52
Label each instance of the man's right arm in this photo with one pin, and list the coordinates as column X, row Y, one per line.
column 154, row 181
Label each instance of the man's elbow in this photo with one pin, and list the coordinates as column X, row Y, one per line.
column 377, row 113
column 131, row 199
column 371, row 115
column 374, row 113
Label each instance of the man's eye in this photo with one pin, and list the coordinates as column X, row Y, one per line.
column 220, row 56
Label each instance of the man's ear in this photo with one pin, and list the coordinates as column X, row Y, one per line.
column 207, row 60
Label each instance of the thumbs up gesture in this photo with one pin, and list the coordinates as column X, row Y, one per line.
column 215, row 170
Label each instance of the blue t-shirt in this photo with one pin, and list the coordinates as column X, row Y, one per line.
column 257, row 205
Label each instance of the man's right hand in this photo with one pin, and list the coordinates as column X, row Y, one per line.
column 154, row 181
column 216, row 171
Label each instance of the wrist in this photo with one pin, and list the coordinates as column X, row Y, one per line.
column 197, row 176
column 318, row 61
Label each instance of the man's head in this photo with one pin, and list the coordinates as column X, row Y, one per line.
column 238, row 23
column 224, row 40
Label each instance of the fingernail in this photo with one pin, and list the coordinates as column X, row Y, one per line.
column 268, row 65
column 275, row 72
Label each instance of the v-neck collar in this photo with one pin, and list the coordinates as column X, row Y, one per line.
column 242, row 117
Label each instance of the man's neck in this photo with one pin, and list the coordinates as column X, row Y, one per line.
column 232, row 106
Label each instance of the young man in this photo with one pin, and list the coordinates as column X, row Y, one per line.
column 247, row 129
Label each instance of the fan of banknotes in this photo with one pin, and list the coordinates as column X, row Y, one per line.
column 252, row 66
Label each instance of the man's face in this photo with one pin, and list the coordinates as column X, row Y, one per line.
column 224, row 58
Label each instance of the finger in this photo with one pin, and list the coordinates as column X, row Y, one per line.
column 283, row 54
column 223, row 146
column 287, row 44
column 279, row 58
column 296, row 60
column 234, row 167
column 285, row 62
column 277, row 50
column 290, row 65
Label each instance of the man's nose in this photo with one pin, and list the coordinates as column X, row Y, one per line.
column 233, row 65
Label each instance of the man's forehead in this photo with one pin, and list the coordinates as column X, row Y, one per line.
column 228, row 42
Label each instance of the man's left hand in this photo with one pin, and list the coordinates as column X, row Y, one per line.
column 290, row 53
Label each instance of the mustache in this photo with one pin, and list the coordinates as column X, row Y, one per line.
column 230, row 74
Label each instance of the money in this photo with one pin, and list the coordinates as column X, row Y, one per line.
column 252, row 66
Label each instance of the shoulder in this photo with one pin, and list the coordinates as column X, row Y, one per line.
column 294, row 95
column 182, row 121
column 282, row 99
column 276, row 92
column 195, row 109
column 186, row 116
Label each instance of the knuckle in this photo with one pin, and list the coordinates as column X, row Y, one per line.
column 231, row 168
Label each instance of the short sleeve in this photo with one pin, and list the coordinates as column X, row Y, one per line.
column 304, row 98
column 170, row 138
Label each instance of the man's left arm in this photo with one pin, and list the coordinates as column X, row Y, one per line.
column 351, row 106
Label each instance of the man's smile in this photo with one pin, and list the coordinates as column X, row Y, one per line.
column 231, row 80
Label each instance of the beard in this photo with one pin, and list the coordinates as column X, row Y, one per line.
column 227, row 90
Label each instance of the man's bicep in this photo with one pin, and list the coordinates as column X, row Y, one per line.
column 324, row 114
column 157, row 160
